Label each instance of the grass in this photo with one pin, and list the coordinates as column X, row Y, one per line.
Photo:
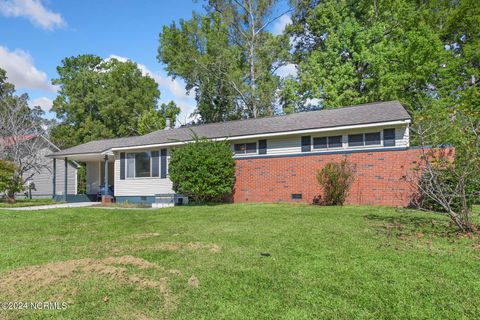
column 26, row 202
column 205, row 262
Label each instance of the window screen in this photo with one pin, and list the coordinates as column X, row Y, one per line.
column 306, row 144
column 320, row 143
column 130, row 165
column 239, row 148
column 335, row 142
column 372, row 139
column 252, row 147
column 242, row 148
column 142, row 164
column 355, row 140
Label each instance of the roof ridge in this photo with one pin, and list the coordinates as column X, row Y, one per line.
column 275, row 116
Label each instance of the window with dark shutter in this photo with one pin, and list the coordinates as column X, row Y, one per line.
column 155, row 163
column 306, row 144
column 320, row 143
column 262, row 146
column 335, row 142
column 372, row 138
column 355, row 140
column 122, row 165
column 389, row 137
column 163, row 163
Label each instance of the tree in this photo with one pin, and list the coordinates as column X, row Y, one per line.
column 351, row 52
column 20, row 127
column 100, row 99
column 9, row 185
column 203, row 170
column 451, row 182
column 228, row 57
column 156, row 119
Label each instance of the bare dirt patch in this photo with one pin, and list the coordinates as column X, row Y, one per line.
column 175, row 246
column 123, row 246
column 146, row 235
column 23, row 282
column 193, row 282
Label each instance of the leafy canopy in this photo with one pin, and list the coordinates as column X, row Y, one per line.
column 102, row 99
column 228, row 57
column 350, row 52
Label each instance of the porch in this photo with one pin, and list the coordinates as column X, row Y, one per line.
column 99, row 173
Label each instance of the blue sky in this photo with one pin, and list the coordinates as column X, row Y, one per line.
column 35, row 35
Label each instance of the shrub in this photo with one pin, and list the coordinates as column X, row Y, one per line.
column 335, row 179
column 450, row 181
column 203, row 170
column 10, row 182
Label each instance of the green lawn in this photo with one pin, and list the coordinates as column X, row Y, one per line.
column 205, row 262
column 26, row 202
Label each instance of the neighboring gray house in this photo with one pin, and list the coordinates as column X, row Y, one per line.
column 137, row 167
column 43, row 180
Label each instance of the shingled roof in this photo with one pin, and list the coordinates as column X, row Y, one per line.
column 353, row 115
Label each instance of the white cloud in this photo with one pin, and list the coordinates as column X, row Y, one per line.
column 21, row 71
column 43, row 102
column 174, row 87
column 287, row 70
column 34, row 11
column 280, row 24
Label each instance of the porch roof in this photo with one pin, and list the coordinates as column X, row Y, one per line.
column 354, row 115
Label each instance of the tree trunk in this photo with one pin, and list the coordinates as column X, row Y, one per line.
column 11, row 198
column 253, row 80
column 463, row 224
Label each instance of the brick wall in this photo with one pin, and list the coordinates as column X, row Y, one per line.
column 380, row 177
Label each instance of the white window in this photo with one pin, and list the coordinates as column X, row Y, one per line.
column 364, row 139
column 139, row 165
column 244, row 148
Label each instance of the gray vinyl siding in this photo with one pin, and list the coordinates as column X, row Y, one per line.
column 44, row 180
column 141, row 186
column 292, row 144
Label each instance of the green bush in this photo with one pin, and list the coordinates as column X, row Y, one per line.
column 336, row 180
column 203, row 170
column 10, row 183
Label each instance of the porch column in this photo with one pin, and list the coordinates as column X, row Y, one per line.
column 66, row 180
column 54, row 178
column 106, row 176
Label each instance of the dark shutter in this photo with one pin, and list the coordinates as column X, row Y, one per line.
column 306, row 144
column 262, row 146
column 389, row 137
column 155, row 163
column 122, row 165
column 163, row 163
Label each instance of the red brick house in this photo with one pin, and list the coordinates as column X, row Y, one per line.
column 276, row 157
